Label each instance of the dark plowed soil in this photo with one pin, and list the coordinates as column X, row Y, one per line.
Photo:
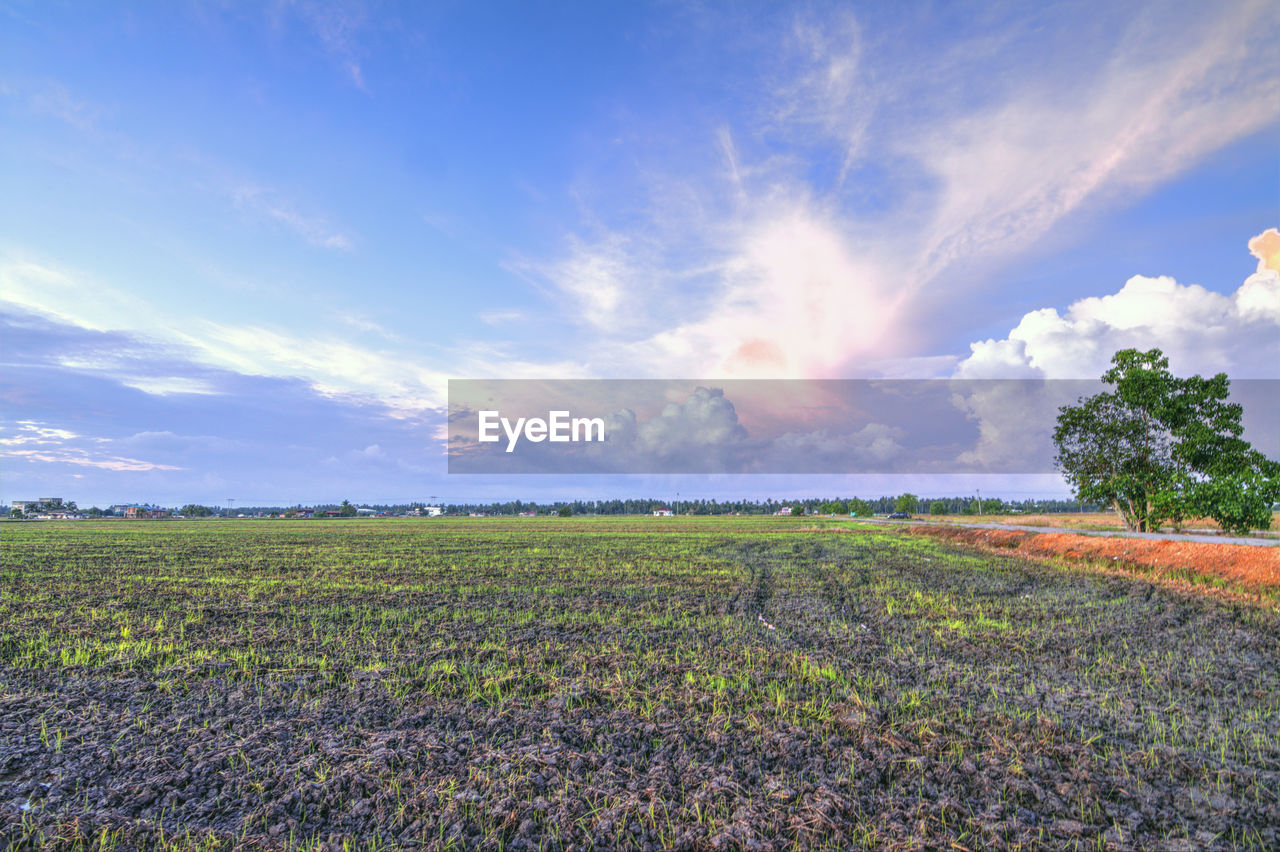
column 698, row 690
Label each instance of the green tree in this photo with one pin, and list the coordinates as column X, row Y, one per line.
column 346, row 510
column 906, row 503
column 937, row 507
column 16, row 514
column 859, row 508
column 565, row 511
column 1158, row 448
column 191, row 510
column 835, row 507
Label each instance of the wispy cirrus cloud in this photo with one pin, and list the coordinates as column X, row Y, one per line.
column 797, row 270
column 34, row 441
column 54, row 99
column 271, row 205
column 83, row 458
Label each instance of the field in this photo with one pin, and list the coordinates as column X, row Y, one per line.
column 617, row 683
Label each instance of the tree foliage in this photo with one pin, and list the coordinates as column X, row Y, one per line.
column 1162, row 449
column 906, row 503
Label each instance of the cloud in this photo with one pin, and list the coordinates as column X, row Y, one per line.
column 84, row 459
column 596, row 276
column 331, row 365
column 313, row 229
column 54, row 99
column 337, row 27
column 38, row 295
column 876, row 446
column 827, row 91
column 1201, row 331
column 34, row 432
column 1011, row 171
column 262, row 438
column 1266, row 248
column 34, row 441
column 855, row 203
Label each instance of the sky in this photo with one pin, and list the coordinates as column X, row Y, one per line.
column 245, row 246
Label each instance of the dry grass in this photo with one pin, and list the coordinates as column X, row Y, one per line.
column 1081, row 521
column 1237, row 566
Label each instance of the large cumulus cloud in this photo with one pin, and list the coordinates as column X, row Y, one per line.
column 1200, row 330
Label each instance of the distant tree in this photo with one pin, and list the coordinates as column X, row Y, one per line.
column 1158, row 448
column 972, row 508
column 191, row 510
column 797, row 511
column 346, row 510
column 565, row 511
column 16, row 514
column 906, row 503
column 94, row 512
column 859, row 507
column 937, row 507
column 835, row 507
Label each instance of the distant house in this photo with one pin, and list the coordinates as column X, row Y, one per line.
column 141, row 512
column 44, row 504
column 432, row 511
column 785, row 510
column 662, row 512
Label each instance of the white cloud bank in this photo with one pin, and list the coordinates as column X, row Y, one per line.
column 1199, row 330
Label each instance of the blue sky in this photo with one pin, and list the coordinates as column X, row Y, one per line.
column 245, row 245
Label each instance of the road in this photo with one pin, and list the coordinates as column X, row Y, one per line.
column 1209, row 538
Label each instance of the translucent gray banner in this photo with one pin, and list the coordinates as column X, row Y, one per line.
column 778, row 426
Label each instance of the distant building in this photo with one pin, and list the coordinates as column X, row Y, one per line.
column 662, row 512
column 141, row 512
column 785, row 510
column 44, row 504
column 432, row 511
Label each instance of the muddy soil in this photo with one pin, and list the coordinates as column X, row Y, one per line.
column 882, row 712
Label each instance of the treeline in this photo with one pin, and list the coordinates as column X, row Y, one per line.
column 883, row 505
column 810, row 506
